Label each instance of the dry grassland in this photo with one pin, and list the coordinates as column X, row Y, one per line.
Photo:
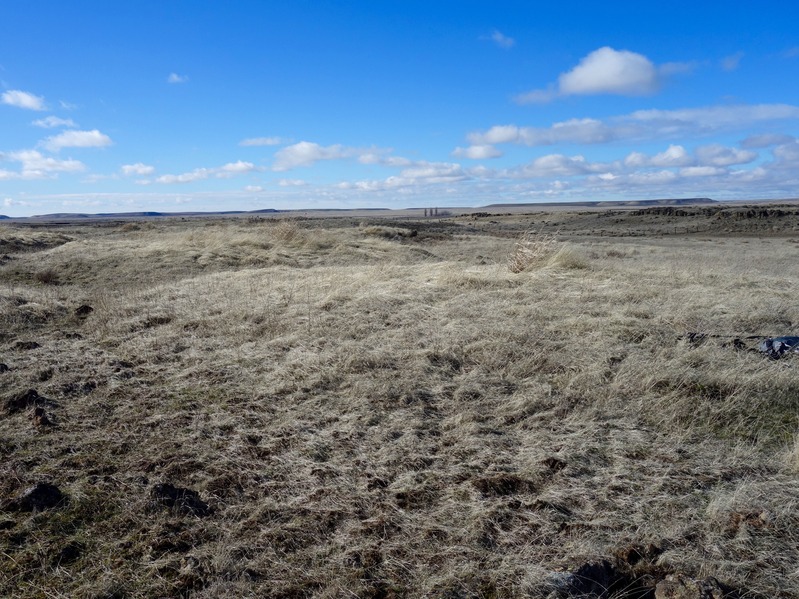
column 384, row 410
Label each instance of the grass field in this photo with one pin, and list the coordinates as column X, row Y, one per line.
column 478, row 406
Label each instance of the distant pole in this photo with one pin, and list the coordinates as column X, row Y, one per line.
column 425, row 211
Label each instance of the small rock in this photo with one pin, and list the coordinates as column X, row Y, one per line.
column 182, row 500
column 83, row 311
column 4, row 367
column 26, row 345
column 40, row 496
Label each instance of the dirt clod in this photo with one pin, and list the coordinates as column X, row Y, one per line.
column 40, row 496
column 180, row 499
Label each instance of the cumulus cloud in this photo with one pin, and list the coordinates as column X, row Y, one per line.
column 175, row 78
column 21, row 99
column 718, row 155
column 226, row 171
column 197, row 174
column 306, row 153
column 139, row 169
column 253, row 188
column 603, row 71
column 77, row 139
column 51, row 122
column 291, row 183
column 34, row 165
column 672, row 156
column 583, row 131
column 477, row 152
column 235, row 168
column 261, row 141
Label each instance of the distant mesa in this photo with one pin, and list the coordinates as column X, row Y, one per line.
column 661, row 202
column 3, row 217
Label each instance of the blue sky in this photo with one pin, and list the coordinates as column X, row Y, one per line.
column 177, row 105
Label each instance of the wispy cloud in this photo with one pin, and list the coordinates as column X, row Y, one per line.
column 175, row 78
column 731, row 62
column 51, row 122
column 77, row 139
column 226, row 171
column 22, row 99
column 639, row 125
column 261, row 141
column 500, row 39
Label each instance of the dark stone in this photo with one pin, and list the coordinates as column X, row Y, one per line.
column 26, row 345
column 181, row 500
column 4, row 367
column 83, row 311
column 39, row 497
column 40, row 417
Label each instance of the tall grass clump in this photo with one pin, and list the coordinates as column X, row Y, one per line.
column 537, row 250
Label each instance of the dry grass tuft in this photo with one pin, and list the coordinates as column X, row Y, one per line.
column 537, row 250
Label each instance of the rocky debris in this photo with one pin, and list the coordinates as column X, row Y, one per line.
column 83, row 311
column 678, row 586
column 39, row 418
column 39, row 497
column 4, row 367
column 184, row 501
column 28, row 399
column 26, row 345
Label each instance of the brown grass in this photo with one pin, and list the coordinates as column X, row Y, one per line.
column 373, row 414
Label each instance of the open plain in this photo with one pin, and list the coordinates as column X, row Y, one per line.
column 549, row 404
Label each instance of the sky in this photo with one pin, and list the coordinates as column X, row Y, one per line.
column 175, row 105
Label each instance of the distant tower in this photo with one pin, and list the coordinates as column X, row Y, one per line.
column 425, row 211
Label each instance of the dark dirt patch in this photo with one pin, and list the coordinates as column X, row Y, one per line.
column 184, row 501
column 502, row 484
column 39, row 497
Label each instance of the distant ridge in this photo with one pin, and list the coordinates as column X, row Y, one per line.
column 661, row 202
column 3, row 217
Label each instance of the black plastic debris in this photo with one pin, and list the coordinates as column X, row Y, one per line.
column 777, row 347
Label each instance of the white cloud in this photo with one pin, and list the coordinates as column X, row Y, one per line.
column 10, row 202
column 197, row 174
column 639, row 125
column 477, row 152
column 306, row 153
column 77, row 139
column 175, row 78
column 253, row 188
column 291, row 183
column 765, row 140
column 718, row 155
column 261, row 141
column 603, row 71
column 139, row 169
column 731, row 62
column 21, row 99
column 584, row 131
column 673, row 156
column 502, row 40
column 701, row 171
column 51, row 122
column 235, row 168
column 36, row 166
